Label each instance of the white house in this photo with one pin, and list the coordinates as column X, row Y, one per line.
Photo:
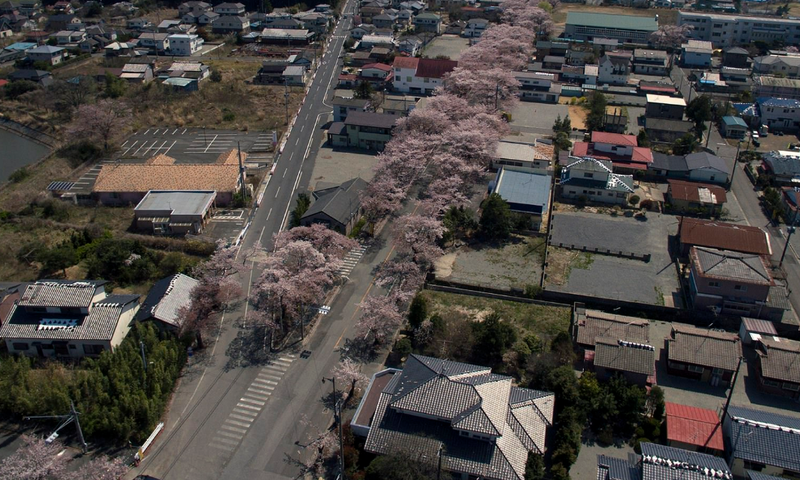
column 154, row 41
column 360, row 31
column 428, row 22
column 231, row 24
column 538, row 87
column 139, row 23
column 184, row 45
column 696, row 53
column 193, row 7
column 207, row 18
column 593, row 180
column 230, row 9
column 67, row 319
column 475, row 27
column 420, row 75
column 781, row 114
column 48, row 54
column 615, row 67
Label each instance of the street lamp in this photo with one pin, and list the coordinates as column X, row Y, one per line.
column 735, row 163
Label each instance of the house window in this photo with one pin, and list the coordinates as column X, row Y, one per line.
column 408, row 79
column 93, row 349
column 677, row 366
column 588, row 175
column 741, row 288
column 695, row 368
column 793, row 387
column 772, row 383
column 713, row 284
column 20, row 345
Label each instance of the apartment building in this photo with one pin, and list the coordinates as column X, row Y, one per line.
column 728, row 30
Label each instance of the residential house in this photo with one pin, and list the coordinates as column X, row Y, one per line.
column 427, row 23
column 68, row 319
column 47, row 54
column 123, row 49
column 128, row 183
column 752, row 330
column 338, row 208
column 699, row 198
column 154, row 41
column 361, row 30
column 271, row 71
column 364, row 130
column 622, row 150
column 592, row 179
column 7, row 7
column 585, row 75
column 552, row 62
column 702, row 354
column 231, row 24
column 778, row 366
column 475, row 27
column 787, row 65
column 696, row 53
column 733, row 127
column 368, row 12
column 761, row 441
column 579, row 58
column 410, row 46
column 384, row 20
column 779, row 114
column 693, row 429
column 184, row 45
column 176, row 212
column 588, row 26
column 660, row 462
column 69, row 37
column 41, row 77
column 228, row 8
column 661, row 106
column 165, row 300
column 615, row 344
column 370, row 41
column 698, row 167
column 399, row 105
column 776, row 87
column 207, row 18
column 294, row 75
column 526, row 192
column 140, row 23
column 188, row 18
column 30, row 7
column 650, row 62
column 420, row 75
column 285, row 24
column 182, row 85
column 194, row 7
column 783, row 166
column 664, row 130
column 166, row 26
column 379, row 75
column 62, row 22
column 730, row 30
column 537, row 156
column 722, row 236
column 735, row 283
column 285, row 37
column 347, row 81
column 538, row 87
column 614, row 68
column 63, row 6
column 475, row 422
column 191, row 70
column 737, row 57
column 316, row 22
column 791, row 204
column 137, row 72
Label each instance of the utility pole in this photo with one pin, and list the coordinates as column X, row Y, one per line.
column 733, row 385
column 735, row 164
column 439, row 470
column 144, row 365
column 286, row 97
column 791, row 230
column 241, row 171
column 337, row 417
column 66, row 420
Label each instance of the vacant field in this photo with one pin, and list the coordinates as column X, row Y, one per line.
column 449, row 46
column 544, row 321
column 665, row 16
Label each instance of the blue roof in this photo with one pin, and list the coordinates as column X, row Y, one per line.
column 778, row 102
column 21, row 46
column 764, row 437
column 523, row 188
column 791, row 194
column 745, row 108
column 730, row 120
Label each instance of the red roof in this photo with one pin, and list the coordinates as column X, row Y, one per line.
column 378, row 66
column 615, row 139
column 406, row 62
column 638, row 160
column 3, row 82
column 724, row 236
column 654, row 88
column 347, row 76
column 642, row 154
column 435, row 67
column 693, row 425
column 690, row 191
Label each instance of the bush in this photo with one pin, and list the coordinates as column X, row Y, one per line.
column 19, row 175
column 19, row 87
column 216, row 76
column 403, row 347
column 532, row 291
column 229, row 117
column 418, row 311
column 634, row 200
column 80, row 152
column 495, row 222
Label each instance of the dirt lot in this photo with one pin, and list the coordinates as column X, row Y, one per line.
column 665, row 16
column 544, row 321
column 514, row 264
column 450, row 46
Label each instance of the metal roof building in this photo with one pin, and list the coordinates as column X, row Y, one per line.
column 525, row 192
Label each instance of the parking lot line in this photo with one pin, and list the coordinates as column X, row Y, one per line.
column 151, row 146
column 211, row 143
column 170, row 147
column 175, row 131
column 184, row 131
column 126, row 142
column 133, row 145
column 146, row 131
column 140, row 147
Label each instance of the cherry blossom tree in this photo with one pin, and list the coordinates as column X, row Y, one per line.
column 417, row 235
column 382, row 197
column 348, row 374
column 494, row 88
column 670, row 35
column 380, row 317
column 100, row 121
column 332, row 245
column 528, row 15
column 502, row 46
column 402, row 276
column 99, row 468
column 35, row 460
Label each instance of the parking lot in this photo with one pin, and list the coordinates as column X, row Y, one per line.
column 654, row 282
column 192, row 145
column 533, row 117
column 449, row 46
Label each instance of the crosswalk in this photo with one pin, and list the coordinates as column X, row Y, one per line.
column 233, row 430
column 351, row 260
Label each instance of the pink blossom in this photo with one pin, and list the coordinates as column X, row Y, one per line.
column 379, row 319
column 417, row 235
column 35, row 460
column 332, row 245
column 101, row 121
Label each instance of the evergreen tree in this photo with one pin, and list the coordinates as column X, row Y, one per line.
column 418, row 311
column 642, row 139
column 595, row 120
column 495, row 220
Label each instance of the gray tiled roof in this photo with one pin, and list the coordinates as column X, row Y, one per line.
column 781, row 361
column 610, row 468
column 704, row 347
column 761, row 476
column 166, row 298
column 338, row 202
column 612, row 354
column 753, row 436
column 593, row 324
column 660, row 462
column 99, row 324
column 59, row 293
column 730, row 265
column 467, row 397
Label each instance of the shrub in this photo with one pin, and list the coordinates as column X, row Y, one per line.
column 229, row 117
column 532, row 291
column 403, row 347
column 216, row 76
column 634, row 200
column 418, row 311
column 80, row 152
column 19, row 175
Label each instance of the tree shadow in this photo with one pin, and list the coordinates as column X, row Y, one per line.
column 250, row 348
column 358, row 349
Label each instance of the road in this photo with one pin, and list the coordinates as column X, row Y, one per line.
column 745, row 193
column 240, row 412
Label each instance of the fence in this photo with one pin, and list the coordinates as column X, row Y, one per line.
column 645, row 257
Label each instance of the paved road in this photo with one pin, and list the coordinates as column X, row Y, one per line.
column 239, row 410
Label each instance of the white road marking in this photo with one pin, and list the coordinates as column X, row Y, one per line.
column 250, row 400
column 221, row 447
column 275, row 368
column 265, row 382
column 302, row 127
column 123, row 145
column 259, row 391
column 229, row 434
column 244, row 405
column 241, row 417
column 175, row 131
column 245, row 412
column 297, row 141
column 284, row 172
column 145, row 133
column 133, row 145
column 268, row 214
column 241, row 424
column 234, row 429
column 268, row 376
column 227, row 440
column 277, row 192
column 170, row 147
column 184, row 131
column 212, row 142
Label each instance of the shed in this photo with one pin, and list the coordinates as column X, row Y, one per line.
column 734, row 127
column 752, row 329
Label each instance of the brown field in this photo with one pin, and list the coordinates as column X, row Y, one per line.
column 665, row 16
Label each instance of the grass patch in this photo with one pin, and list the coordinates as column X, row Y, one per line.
column 561, row 261
column 659, row 296
column 541, row 320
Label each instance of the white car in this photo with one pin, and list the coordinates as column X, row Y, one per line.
column 754, row 135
